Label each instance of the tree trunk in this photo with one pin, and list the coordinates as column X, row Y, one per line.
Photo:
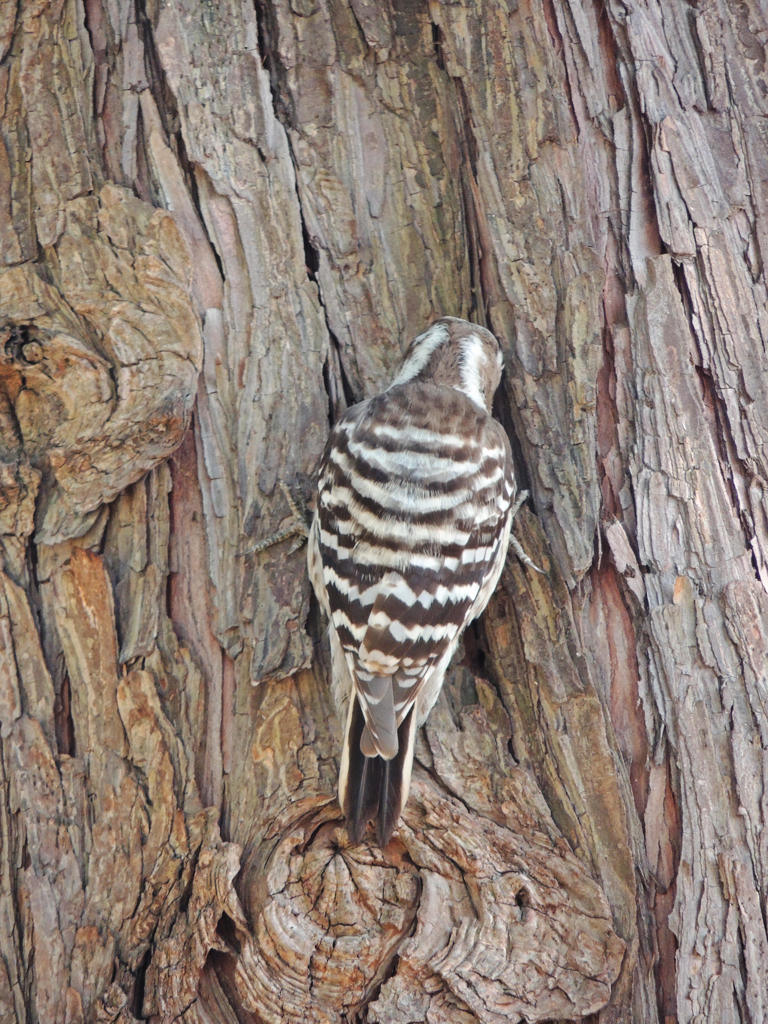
column 222, row 222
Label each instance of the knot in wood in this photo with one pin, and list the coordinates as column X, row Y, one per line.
column 32, row 352
column 20, row 345
column 333, row 921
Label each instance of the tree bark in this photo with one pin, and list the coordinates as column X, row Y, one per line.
column 222, row 222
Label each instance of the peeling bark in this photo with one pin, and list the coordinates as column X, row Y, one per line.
column 221, row 223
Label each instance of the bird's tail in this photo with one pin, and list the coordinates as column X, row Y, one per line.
column 372, row 788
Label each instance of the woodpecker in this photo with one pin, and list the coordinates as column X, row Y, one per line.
column 416, row 496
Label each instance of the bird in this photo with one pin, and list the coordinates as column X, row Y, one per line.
column 413, row 516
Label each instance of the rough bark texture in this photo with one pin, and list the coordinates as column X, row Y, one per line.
column 221, row 222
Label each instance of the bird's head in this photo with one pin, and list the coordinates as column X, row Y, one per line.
column 456, row 354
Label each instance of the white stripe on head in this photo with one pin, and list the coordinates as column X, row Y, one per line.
column 470, row 370
column 420, row 353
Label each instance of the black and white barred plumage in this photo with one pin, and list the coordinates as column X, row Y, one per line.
column 413, row 518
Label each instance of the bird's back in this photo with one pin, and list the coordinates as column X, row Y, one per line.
column 413, row 486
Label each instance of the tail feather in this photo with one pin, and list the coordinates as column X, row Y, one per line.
column 372, row 788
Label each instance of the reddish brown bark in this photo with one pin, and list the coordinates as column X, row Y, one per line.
column 221, row 224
